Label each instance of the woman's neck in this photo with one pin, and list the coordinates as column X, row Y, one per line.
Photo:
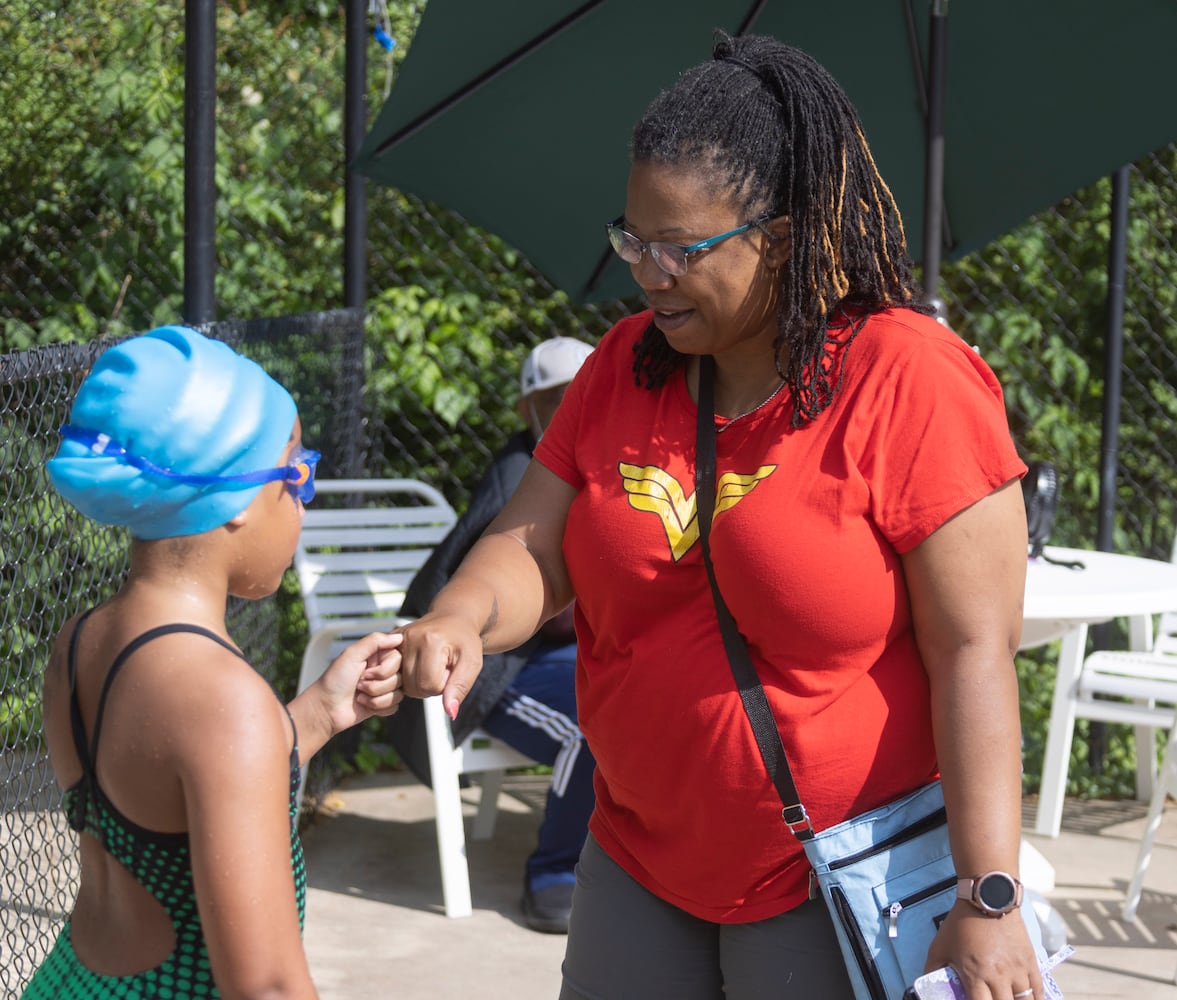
column 741, row 385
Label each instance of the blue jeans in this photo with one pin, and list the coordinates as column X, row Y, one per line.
column 537, row 716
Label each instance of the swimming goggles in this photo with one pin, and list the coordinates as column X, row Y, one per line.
column 299, row 474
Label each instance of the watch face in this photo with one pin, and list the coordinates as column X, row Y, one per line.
column 996, row 891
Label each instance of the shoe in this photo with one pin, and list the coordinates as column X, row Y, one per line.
column 547, row 909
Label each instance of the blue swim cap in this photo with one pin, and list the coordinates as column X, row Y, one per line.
column 184, row 402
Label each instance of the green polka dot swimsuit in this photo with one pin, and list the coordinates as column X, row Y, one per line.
column 160, row 862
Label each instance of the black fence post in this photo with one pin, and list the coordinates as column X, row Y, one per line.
column 355, row 229
column 200, row 159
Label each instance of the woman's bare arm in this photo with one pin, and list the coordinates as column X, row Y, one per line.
column 967, row 583
column 510, row 583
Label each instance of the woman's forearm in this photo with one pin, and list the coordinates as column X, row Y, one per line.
column 509, row 584
column 975, row 723
column 514, row 578
column 966, row 582
column 501, row 590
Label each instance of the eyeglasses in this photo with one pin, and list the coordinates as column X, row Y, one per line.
column 299, row 474
column 671, row 257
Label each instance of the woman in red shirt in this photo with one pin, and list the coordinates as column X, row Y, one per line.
column 869, row 538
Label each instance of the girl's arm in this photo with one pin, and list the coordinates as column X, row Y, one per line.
column 362, row 681
column 232, row 755
column 967, row 583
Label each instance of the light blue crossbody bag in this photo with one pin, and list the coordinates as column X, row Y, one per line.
column 887, row 876
column 888, row 880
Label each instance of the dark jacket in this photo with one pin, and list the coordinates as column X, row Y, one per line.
column 406, row 728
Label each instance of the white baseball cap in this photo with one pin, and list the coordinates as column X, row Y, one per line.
column 551, row 363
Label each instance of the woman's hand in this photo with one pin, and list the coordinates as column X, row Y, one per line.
column 507, row 586
column 441, row 654
column 992, row 955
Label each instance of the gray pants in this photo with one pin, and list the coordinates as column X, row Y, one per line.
column 624, row 943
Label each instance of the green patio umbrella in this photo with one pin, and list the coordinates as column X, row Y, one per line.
column 518, row 114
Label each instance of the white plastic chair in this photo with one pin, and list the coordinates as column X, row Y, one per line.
column 354, row 564
column 1166, row 785
column 1137, row 688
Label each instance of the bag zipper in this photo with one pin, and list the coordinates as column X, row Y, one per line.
column 932, row 820
column 866, row 964
column 892, row 911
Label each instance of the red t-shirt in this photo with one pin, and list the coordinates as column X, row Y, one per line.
column 806, row 540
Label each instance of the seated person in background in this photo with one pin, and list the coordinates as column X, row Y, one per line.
column 525, row 697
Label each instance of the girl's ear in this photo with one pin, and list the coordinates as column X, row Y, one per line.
column 780, row 245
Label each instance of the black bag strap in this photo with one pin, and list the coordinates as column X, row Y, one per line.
column 768, row 737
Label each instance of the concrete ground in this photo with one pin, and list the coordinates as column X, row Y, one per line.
column 376, row 929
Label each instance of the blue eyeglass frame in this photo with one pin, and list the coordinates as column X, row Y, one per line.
column 618, row 237
column 299, row 474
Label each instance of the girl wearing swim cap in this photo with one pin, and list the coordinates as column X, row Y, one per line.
column 180, row 766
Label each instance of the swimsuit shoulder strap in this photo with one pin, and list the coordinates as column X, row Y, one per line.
column 130, row 649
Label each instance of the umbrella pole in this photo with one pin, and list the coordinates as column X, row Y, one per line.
column 1113, row 362
column 1113, row 371
column 934, row 152
column 750, row 17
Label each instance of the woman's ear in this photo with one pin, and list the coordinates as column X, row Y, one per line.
column 780, row 243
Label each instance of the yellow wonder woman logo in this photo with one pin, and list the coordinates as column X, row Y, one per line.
column 655, row 490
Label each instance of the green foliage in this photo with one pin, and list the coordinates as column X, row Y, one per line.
column 91, row 243
column 373, row 754
column 20, row 717
column 93, row 187
column 435, row 347
column 1035, row 302
column 292, row 636
column 53, row 564
column 89, row 185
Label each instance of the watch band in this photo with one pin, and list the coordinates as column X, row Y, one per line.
column 993, row 893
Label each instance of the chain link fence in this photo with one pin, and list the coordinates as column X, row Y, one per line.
column 55, row 563
column 1036, row 304
column 91, row 235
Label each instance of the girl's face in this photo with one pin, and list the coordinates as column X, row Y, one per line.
column 270, row 531
column 727, row 299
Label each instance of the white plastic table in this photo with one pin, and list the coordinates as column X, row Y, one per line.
column 1061, row 603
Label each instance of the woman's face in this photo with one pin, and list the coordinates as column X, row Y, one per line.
column 727, row 299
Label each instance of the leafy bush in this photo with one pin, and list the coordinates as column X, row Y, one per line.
column 91, row 243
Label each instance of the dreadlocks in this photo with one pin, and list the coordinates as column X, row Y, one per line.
column 780, row 134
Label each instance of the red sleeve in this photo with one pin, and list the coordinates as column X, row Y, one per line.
column 937, row 439
column 611, row 359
